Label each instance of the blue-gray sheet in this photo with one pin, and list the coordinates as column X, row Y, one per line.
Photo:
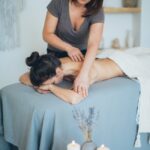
column 34, row 121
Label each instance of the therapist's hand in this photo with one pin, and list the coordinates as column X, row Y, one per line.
column 81, row 85
column 75, row 54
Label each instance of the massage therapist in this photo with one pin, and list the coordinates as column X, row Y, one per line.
column 74, row 28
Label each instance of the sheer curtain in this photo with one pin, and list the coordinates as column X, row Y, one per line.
column 9, row 23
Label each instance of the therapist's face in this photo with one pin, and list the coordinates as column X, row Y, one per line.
column 83, row 2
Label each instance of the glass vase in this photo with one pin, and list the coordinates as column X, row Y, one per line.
column 88, row 144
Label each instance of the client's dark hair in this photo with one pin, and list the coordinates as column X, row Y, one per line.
column 42, row 67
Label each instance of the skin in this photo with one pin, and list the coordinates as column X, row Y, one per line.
column 102, row 69
column 95, row 34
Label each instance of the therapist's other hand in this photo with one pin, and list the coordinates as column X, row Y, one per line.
column 81, row 85
column 75, row 54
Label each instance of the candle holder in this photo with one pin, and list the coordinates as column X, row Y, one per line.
column 103, row 147
column 73, row 146
column 86, row 121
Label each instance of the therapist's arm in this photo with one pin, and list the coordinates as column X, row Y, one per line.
column 50, row 37
column 81, row 83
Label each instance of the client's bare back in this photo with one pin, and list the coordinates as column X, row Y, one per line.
column 102, row 69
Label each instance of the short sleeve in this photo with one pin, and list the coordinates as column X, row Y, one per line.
column 54, row 8
column 98, row 17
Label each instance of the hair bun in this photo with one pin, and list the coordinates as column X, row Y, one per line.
column 32, row 60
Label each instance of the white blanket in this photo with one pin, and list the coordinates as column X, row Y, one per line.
column 135, row 63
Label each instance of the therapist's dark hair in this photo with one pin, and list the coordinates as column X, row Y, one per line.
column 42, row 67
column 92, row 7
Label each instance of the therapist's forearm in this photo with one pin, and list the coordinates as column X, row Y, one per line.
column 89, row 58
column 94, row 39
column 55, row 41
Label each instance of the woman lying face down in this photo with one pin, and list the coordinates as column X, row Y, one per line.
column 47, row 71
column 44, row 69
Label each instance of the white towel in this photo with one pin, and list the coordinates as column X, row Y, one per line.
column 135, row 63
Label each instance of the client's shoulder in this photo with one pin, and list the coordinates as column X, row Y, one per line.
column 65, row 60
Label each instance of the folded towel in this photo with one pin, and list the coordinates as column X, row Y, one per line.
column 135, row 63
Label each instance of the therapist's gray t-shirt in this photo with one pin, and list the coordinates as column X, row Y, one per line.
column 64, row 29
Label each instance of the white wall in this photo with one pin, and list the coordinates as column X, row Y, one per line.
column 145, row 24
column 12, row 63
column 117, row 25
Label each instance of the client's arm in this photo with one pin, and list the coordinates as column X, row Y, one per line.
column 67, row 95
column 25, row 79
